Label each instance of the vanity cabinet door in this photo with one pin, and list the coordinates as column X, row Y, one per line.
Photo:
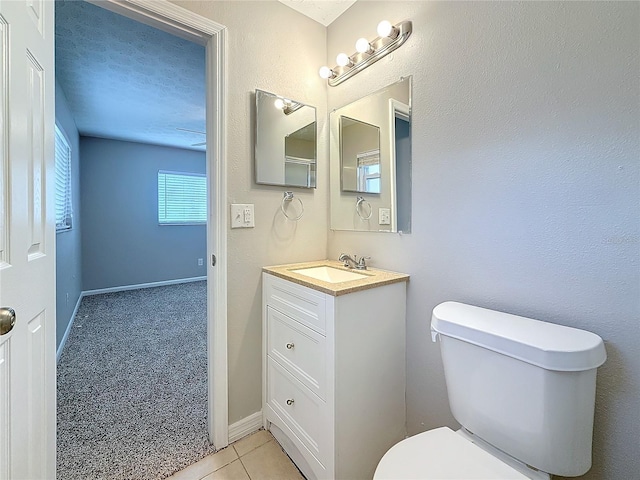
column 299, row 349
column 302, row 411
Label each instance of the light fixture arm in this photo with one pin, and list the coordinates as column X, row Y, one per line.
column 381, row 47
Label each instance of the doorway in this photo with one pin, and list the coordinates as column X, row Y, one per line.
column 175, row 20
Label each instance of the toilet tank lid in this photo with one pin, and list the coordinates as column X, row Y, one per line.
column 547, row 345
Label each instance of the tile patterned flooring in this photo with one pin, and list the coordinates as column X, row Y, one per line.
column 255, row 457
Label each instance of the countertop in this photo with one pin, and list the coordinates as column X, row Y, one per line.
column 375, row 277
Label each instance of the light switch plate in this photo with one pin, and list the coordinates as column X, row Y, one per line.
column 242, row 215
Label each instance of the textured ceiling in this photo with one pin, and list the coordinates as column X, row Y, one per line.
column 128, row 81
column 322, row 11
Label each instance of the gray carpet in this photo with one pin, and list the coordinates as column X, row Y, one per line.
column 132, row 383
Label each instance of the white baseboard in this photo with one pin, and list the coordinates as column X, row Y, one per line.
column 68, row 330
column 244, row 427
column 123, row 288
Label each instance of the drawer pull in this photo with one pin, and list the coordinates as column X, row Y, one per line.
column 290, row 401
column 290, row 346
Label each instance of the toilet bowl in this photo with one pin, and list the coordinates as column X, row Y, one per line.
column 444, row 454
column 525, row 388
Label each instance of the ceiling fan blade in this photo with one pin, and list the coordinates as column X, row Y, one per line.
column 191, row 131
column 198, row 144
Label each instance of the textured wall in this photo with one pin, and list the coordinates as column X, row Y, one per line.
column 122, row 243
column 525, row 183
column 273, row 48
column 68, row 251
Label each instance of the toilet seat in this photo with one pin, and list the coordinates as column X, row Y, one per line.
column 442, row 454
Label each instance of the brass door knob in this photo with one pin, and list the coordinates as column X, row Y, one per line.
column 7, row 319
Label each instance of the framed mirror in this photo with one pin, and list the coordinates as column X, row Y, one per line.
column 370, row 162
column 286, row 144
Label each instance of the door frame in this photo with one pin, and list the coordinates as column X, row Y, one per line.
column 183, row 23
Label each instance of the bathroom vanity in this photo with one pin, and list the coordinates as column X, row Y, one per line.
column 334, row 365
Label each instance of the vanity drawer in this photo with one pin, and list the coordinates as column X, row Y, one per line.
column 301, row 303
column 299, row 349
column 299, row 408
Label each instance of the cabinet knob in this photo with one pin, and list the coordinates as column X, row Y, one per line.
column 290, row 401
column 290, row 346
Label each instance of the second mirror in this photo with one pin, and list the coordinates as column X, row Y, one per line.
column 285, row 152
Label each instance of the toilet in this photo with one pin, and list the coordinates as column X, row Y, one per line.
column 523, row 391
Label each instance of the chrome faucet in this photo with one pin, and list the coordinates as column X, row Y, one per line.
column 353, row 262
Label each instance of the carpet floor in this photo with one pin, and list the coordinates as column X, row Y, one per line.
column 132, row 385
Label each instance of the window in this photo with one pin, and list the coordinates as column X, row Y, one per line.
column 63, row 182
column 182, row 198
column 369, row 171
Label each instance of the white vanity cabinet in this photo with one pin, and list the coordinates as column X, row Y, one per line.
column 334, row 374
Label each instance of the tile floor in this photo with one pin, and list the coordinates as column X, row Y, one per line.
column 255, row 457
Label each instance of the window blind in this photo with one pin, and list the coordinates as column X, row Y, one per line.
column 182, row 198
column 63, row 181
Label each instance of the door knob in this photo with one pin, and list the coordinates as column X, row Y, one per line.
column 7, row 319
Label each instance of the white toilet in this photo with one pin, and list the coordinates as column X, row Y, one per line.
column 523, row 391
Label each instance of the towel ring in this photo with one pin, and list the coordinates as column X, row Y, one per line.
column 288, row 197
column 360, row 201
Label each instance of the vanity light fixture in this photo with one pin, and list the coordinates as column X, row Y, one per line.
column 344, row 60
column 286, row 105
column 363, row 46
column 367, row 53
column 326, row 72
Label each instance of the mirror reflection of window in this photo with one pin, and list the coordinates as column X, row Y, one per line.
column 369, row 171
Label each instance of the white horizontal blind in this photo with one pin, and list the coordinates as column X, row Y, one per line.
column 63, row 182
column 182, row 198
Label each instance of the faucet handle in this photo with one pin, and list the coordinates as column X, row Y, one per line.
column 361, row 264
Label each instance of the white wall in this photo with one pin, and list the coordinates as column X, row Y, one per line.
column 525, row 183
column 273, row 48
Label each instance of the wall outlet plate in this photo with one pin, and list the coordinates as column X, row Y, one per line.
column 242, row 215
column 384, row 216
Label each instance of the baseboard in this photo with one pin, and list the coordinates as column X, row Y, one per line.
column 68, row 330
column 123, row 288
column 244, row 427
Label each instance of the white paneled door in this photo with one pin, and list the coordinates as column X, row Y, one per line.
column 27, row 240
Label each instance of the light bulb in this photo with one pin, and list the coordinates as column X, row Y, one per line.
column 279, row 103
column 385, row 29
column 325, row 72
column 363, row 46
column 343, row 60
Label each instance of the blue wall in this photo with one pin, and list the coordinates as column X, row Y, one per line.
column 68, row 260
column 122, row 243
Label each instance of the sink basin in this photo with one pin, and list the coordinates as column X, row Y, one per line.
column 329, row 274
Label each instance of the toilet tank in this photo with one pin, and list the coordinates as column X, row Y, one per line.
column 525, row 386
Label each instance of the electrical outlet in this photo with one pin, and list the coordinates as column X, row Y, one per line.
column 384, row 216
column 242, row 215
column 200, row 262
column 67, row 300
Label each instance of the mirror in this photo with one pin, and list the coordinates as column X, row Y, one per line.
column 359, row 156
column 370, row 160
column 285, row 150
